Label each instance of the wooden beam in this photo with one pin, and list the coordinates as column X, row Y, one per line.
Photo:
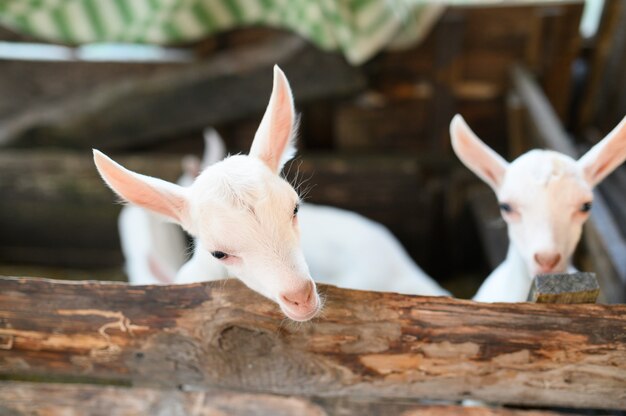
column 377, row 345
column 544, row 119
column 57, row 399
column 548, row 132
column 603, row 104
column 55, row 210
column 121, row 106
column 491, row 227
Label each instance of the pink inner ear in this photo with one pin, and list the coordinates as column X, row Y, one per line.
column 606, row 155
column 154, row 194
column 476, row 155
column 281, row 124
column 272, row 142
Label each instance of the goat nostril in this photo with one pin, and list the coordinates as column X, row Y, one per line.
column 300, row 297
column 548, row 260
column 288, row 300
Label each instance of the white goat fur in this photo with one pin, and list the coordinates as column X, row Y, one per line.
column 241, row 207
column 548, row 194
column 341, row 247
column 155, row 249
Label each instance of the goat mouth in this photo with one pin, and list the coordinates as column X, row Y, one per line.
column 298, row 316
column 552, row 270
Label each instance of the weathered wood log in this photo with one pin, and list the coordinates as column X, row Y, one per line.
column 40, row 399
column 607, row 243
column 109, row 109
column 56, row 210
column 577, row 287
column 378, row 345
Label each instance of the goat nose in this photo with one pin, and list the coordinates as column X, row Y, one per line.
column 547, row 260
column 299, row 297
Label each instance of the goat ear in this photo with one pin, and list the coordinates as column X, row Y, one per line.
column 274, row 140
column 214, row 147
column 605, row 156
column 154, row 194
column 476, row 155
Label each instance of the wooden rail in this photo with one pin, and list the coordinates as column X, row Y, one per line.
column 365, row 344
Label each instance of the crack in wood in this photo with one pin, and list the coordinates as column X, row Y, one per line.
column 122, row 323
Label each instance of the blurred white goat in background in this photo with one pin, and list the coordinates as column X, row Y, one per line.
column 545, row 198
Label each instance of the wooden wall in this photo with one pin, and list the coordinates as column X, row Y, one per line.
column 374, row 137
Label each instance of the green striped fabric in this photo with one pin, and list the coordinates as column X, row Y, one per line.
column 358, row 28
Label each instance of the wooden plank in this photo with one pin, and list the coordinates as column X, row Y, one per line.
column 43, row 399
column 57, row 211
column 378, row 345
column 548, row 132
column 491, row 227
column 125, row 106
column 515, row 129
column 560, row 47
column 373, row 121
column 604, row 103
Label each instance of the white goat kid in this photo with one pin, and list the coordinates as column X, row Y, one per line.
column 342, row 248
column 155, row 249
column 545, row 197
column 240, row 210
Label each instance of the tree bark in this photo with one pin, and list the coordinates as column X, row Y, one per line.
column 377, row 345
column 58, row 399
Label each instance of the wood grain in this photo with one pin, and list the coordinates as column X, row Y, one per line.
column 370, row 344
column 43, row 399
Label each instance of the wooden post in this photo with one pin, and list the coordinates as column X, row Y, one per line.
column 365, row 344
column 577, row 287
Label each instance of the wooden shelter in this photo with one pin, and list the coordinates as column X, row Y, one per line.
column 374, row 139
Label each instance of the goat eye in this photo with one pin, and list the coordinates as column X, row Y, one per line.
column 220, row 255
column 504, row 207
column 586, row 207
column 296, row 209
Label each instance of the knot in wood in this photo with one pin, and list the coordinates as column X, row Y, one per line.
column 246, row 341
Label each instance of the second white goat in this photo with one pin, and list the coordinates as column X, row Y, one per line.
column 545, row 197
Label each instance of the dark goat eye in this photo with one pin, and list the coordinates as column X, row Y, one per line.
column 504, row 207
column 220, row 255
column 296, row 209
column 586, row 207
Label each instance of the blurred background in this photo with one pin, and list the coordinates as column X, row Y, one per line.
column 376, row 82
